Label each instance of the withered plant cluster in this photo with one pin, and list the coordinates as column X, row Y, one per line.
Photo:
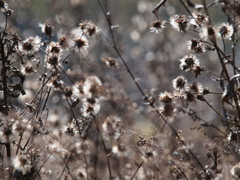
column 99, row 91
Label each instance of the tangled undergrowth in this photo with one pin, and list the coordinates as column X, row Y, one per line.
column 155, row 96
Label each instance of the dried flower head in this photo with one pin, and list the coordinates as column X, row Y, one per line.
column 92, row 86
column 180, row 83
column 111, row 62
column 196, row 88
column 47, row 28
column 56, row 83
column 225, row 31
column 90, row 107
column 196, row 46
column 187, row 63
column 65, row 43
column 197, row 70
column 68, row 91
column 168, row 110
column 189, row 96
column 56, row 147
column 3, row 5
column 233, row 137
column 30, row 45
column 80, row 173
column 211, row 34
column 52, row 61
column 22, row 163
column 179, row 23
column 29, row 67
column 235, row 171
column 78, row 89
column 208, row 32
column 199, row 19
column 81, row 43
column 157, row 26
column 54, row 48
column 166, row 97
column 89, row 29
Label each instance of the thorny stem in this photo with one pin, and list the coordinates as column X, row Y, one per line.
column 209, row 5
column 219, row 53
column 234, row 44
column 39, row 91
column 41, row 167
column 96, row 157
column 66, row 74
column 210, row 72
column 223, row 54
column 66, row 166
column 3, row 75
column 74, row 116
column 155, row 9
column 200, row 119
column 212, row 107
column 85, row 159
column 206, row 9
column 175, row 132
column 228, row 79
column 180, row 170
column 41, row 96
column 48, row 93
column 105, row 149
column 139, row 166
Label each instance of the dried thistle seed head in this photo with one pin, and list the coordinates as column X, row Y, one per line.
column 9, row 12
column 180, row 83
column 47, row 28
column 225, row 31
column 206, row 91
column 30, row 45
column 81, row 44
column 179, row 23
column 200, row 97
column 92, row 86
column 91, row 108
column 187, row 63
column 196, row 88
column 189, row 96
column 56, row 83
column 157, row 26
column 196, row 46
column 166, row 97
column 28, row 69
column 192, row 44
column 80, row 173
column 54, row 48
column 208, row 32
column 52, row 61
column 111, row 62
column 168, row 110
column 65, row 43
column 199, row 19
column 197, row 70
column 233, row 136
column 78, row 89
column 211, row 34
column 68, row 91
column 22, row 163
column 89, row 29
column 3, row 6
column 69, row 130
column 235, row 170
